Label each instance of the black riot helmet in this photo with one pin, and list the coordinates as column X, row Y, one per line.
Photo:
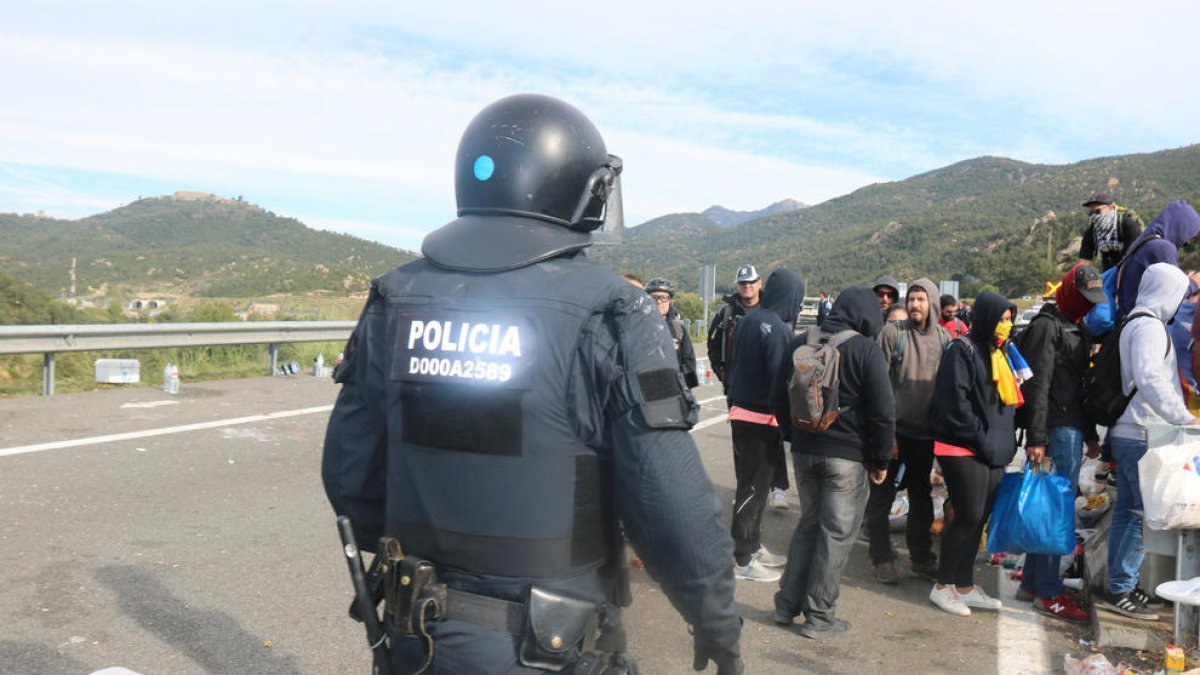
column 661, row 285
column 533, row 179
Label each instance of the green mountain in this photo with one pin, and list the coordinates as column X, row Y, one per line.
column 22, row 304
column 988, row 222
column 189, row 244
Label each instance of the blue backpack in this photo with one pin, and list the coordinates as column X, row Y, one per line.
column 1102, row 319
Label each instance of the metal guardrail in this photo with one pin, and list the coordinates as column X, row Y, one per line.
column 49, row 340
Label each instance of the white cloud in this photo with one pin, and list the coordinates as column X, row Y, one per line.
column 347, row 115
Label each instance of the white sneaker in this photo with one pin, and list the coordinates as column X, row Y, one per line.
column 977, row 598
column 778, row 499
column 946, row 599
column 755, row 571
column 768, row 559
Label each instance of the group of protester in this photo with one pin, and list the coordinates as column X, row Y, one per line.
column 928, row 386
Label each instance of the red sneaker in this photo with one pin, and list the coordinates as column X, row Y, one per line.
column 1061, row 607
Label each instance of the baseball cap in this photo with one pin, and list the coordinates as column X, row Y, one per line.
column 1090, row 285
column 1098, row 198
column 747, row 273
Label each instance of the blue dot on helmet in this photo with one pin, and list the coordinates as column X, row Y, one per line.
column 484, row 167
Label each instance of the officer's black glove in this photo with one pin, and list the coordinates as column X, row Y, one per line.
column 728, row 659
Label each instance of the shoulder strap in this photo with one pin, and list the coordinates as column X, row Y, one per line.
column 901, row 341
column 841, row 336
column 943, row 334
column 677, row 327
column 1136, row 246
column 966, row 343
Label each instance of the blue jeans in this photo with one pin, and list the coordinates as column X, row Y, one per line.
column 1064, row 447
column 1125, row 550
column 833, row 494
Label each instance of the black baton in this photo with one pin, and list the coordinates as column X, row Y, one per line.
column 376, row 636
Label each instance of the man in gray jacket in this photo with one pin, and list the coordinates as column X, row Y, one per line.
column 913, row 349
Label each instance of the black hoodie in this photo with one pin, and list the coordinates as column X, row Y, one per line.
column 967, row 411
column 760, row 343
column 867, row 424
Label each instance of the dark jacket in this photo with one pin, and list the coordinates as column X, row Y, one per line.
column 1057, row 352
column 760, row 342
column 597, row 395
column 1177, row 224
column 720, row 336
column 1128, row 229
column 683, row 349
column 866, row 426
column 967, row 411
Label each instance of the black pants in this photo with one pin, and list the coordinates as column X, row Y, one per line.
column 779, row 469
column 917, row 457
column 777, row 457
column 752, row 448
column 972, row 486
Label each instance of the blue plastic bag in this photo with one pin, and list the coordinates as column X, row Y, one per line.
column 1034, row 513
column 1102, row 318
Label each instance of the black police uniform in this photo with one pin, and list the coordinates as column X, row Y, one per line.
column 504, row 402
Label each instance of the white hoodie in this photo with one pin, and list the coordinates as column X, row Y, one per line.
column 1147, row 357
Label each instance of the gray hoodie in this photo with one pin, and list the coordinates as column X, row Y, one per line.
column 912, row 379
column 1148, row 358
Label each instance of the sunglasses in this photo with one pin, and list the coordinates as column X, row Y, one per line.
column 661, row 299
column 886, row 294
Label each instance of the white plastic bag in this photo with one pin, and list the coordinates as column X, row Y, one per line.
column 1169, row 477
column 1096, row 664
column 1088, row 485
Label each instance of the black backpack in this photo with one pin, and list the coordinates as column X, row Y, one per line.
column 1104, row 401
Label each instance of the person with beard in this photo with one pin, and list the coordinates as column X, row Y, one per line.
column 759, row 346
column 974, row 399
column 913, row 349
column 832, row 467
column 887, row 289
column 949, row 318
column 1176, row 226
column 1110, row 231
column 1056, row 347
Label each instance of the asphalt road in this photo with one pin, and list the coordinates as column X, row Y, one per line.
column 190, row 534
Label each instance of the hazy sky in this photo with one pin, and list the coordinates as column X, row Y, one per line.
column 346, row 115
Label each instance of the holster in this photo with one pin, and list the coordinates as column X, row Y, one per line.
column 412, row 594
column 554, row 631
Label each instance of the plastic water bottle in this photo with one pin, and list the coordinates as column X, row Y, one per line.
column 319, row 365
column 171, row 379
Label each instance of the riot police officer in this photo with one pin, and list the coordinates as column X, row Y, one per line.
column 505, row 403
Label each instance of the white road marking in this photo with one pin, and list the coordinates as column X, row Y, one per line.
column 1020, row 637
column 19, row 450
column 149, row 404
column 710, row 421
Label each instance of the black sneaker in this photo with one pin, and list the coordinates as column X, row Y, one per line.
column 782, row 618
column 926, row 569
column 818, row 632
column 1127, row 605
column 1143, row 598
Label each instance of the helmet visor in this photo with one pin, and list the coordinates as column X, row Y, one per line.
column 602, row 208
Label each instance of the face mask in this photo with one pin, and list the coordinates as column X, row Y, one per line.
column 1003, row 329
